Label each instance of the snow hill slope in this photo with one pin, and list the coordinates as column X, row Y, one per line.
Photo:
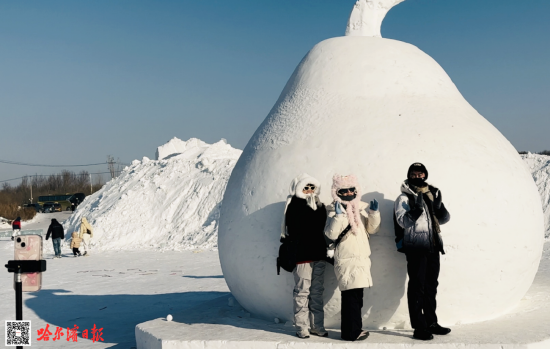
column 166, row 204
column 540, row 169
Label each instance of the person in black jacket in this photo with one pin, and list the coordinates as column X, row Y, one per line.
column 419, row 212
column 303, row 225
column 56, row 231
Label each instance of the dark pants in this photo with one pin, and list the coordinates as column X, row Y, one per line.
column 423, row 270
column 76, row 251
column 352, row 322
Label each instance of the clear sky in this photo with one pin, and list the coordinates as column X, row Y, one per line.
column 83, row 79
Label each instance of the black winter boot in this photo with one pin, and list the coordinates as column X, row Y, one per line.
column 423, row 335
column 436, row 329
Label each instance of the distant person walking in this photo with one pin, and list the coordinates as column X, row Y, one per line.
column 304, row 220
column 419, row 211
column 57, row 233
column 75, row 244
column 350, row 222
column 86, row 234
column 16, row 227
column 72, row 206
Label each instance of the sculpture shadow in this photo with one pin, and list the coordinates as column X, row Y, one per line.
column 380, row 302
column 203, row 277
column 388, row 270
column 219, row 312
column 116, row 314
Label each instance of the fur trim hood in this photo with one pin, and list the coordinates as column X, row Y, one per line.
column 353, row 210
column 300, row 182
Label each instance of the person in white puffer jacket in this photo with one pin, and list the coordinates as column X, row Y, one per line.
column 419, row 213
column 352, row 255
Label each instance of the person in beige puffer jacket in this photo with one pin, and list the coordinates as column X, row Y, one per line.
column 86, row 234
column 75, row 243
column 352, row 255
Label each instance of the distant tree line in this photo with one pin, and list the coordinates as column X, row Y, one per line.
column 60, row 183
column 11, row 211
column 544, row 152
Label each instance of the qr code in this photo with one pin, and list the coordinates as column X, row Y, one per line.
column 18, row 333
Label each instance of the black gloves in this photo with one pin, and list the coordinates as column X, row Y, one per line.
column 418, row 209
column 438, row 200
column 440, row 211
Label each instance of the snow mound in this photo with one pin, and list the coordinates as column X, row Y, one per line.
column 4, row 223
column 540, row 169
column 177, row 146
column 166, row 204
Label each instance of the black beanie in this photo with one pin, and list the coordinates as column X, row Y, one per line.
column 417, row 167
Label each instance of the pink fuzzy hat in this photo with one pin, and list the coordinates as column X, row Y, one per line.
column 352, row 207
column 344, row 182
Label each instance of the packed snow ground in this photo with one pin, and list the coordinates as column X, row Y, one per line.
column 222, row 323
column 171, row 203
column 540, row 169
column 115, row 290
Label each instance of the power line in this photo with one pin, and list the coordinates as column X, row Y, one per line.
column 54, row 174
column 8, row 162
column 13, row 179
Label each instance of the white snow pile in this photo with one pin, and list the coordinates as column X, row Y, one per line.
column 4, row 223
column 540, row 169
column 171, row 203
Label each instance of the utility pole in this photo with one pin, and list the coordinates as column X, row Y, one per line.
column 90, row 184
column 111, row 165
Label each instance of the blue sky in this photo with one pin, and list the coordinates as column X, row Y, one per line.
column 83, row 79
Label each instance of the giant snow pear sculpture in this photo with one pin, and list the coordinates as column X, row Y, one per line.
column 371, row 106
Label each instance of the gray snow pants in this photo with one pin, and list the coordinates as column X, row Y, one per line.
column 308, row 295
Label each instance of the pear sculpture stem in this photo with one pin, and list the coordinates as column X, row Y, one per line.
column 367, row 16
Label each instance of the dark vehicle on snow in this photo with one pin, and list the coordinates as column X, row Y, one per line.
column 37, row 207
column 48, row 207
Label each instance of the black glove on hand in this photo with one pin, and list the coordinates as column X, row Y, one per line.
column 438, row 200
column 418, row 209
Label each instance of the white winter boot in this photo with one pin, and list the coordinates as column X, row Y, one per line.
column 319, row 332
column 302, row 334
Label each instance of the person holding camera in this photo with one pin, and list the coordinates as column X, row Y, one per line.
column 303, row 224
column 419, row 212
column 349, row 223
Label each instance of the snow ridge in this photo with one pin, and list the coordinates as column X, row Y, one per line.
column 167, row 204
column 539, row 165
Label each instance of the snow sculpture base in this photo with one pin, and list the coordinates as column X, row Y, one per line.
column 215, row 324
